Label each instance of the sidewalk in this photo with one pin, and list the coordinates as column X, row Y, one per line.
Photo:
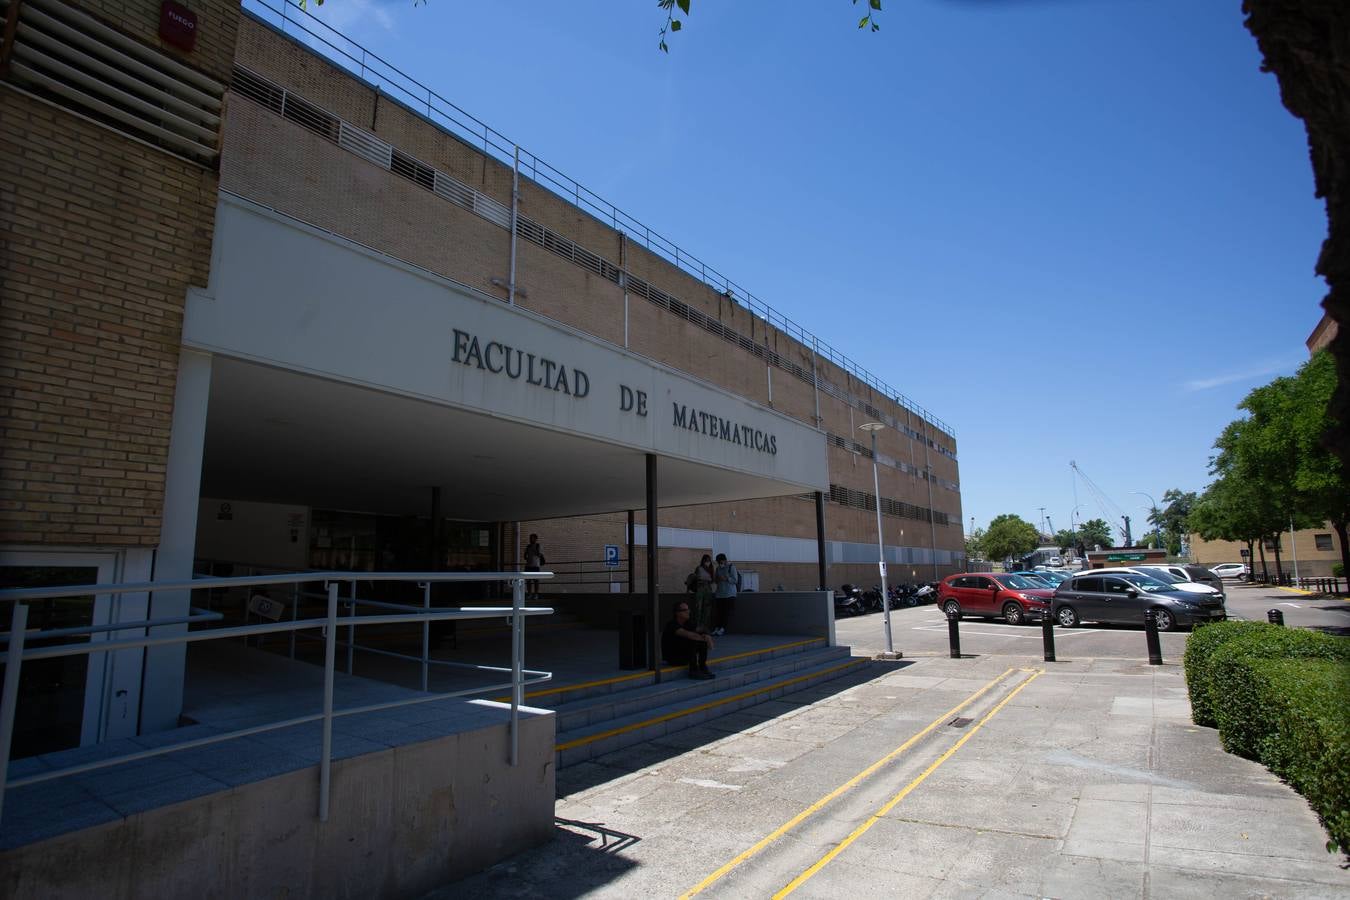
column 1080, row 779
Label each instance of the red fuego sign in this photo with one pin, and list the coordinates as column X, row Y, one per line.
column 178, row 25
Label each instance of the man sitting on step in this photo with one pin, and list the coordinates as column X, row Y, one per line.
column 680, row 643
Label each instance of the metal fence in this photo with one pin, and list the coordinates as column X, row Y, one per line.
column 152, row 634
column 350, row 56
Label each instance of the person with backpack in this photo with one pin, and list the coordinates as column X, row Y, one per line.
column 700, row 583
column 727, row 584
column 534, row 562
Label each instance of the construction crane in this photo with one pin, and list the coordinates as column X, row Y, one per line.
column 1110, row 510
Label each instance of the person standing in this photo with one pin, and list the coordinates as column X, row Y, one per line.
column 701, row 584
column 726, row 584
column 534, row 562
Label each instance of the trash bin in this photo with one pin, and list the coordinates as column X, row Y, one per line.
column 632, row 640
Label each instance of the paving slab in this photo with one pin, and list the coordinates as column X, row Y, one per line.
column 1091, row 781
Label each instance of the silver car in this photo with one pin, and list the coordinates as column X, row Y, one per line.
column 1124, row 597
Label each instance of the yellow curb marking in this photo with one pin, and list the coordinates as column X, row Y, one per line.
column 837, row 792
column 876, row 817
column 647, row 673
column 713, row 705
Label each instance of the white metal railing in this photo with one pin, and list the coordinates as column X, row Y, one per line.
column 342, row 51
column 152, row 636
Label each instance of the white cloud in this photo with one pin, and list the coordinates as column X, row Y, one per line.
column 1204, row 384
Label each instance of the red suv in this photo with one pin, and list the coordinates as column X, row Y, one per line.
column 991, row 594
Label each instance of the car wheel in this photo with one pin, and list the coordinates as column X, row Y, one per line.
column 952, row 609
column 1242, row 578
column 1067, row 616
column 1164, row 619
column 1012, row 614
column 911, row 600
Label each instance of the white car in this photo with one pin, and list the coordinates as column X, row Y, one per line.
column 1160, row 574
column 1240, row 571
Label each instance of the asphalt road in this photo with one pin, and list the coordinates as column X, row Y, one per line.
column 922, row 630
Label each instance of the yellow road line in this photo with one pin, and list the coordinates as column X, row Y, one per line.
column 890, row 804
column 1294, row 590
column 837, row 792
column 647, row 673
column 713, row 705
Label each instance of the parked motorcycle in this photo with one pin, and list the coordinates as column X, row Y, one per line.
column 926, row 594
column 905, row 595
column 872, row 600
column 848, row 601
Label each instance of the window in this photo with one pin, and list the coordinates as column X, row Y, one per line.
column 1323, row 541
column 1115, row 585
column 1087, row 584
column 982, row 584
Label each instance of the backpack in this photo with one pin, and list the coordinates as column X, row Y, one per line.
column 691, row 582
column 738, row 576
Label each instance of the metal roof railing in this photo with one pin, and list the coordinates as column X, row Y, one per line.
column 347, row 54
column 152, row 634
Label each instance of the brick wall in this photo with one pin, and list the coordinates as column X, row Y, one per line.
column 100, row 238
column 282, row 165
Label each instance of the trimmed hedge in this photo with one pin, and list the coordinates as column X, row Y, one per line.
column 1233, row 687
column 1200, row 646
column 1278, row 695
column 1309, row 742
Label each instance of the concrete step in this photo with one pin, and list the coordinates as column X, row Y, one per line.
column 677, row 687
column 556, row 696
column 694, row 702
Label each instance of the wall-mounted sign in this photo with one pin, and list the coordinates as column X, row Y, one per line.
column 178, row 25
column 1125, row 557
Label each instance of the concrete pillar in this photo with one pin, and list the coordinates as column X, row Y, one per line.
column 162, row 692
column 653, row 586
column 821, row 561
column 632, row 563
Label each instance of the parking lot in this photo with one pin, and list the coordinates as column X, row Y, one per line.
column 992, row 775
column 922, row 630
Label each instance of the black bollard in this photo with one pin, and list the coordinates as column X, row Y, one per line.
column 1151, row 635
column 1048, row 635
column 1275, row 616
column 954, row 633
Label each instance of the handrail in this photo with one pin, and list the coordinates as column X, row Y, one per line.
column 422, row 100
column 17, row 653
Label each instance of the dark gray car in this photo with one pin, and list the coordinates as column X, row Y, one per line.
column 1123, row 598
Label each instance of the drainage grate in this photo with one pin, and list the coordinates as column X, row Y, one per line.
column 960, row 722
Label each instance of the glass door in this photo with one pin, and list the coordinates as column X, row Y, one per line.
column 60, row 700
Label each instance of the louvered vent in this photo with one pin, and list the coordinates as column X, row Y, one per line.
column 78, row 62
column 367, row 146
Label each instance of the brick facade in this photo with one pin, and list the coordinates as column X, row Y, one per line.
column 101, row 235
column 290, row 168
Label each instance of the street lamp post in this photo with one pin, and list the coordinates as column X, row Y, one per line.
column 873, row 428
column 1157, row 529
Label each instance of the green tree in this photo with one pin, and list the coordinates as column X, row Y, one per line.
column 1233, row 509
column 1278, row 450
column 1095, row 533
column 1321, row 488
column 1066, row 539
column 1170, row 518
column 975, row 544
column 1009, row 536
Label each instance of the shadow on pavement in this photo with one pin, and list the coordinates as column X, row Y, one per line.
column 581, row 858
column 603, row 769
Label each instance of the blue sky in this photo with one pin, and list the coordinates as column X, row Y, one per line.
column 1073, row 229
